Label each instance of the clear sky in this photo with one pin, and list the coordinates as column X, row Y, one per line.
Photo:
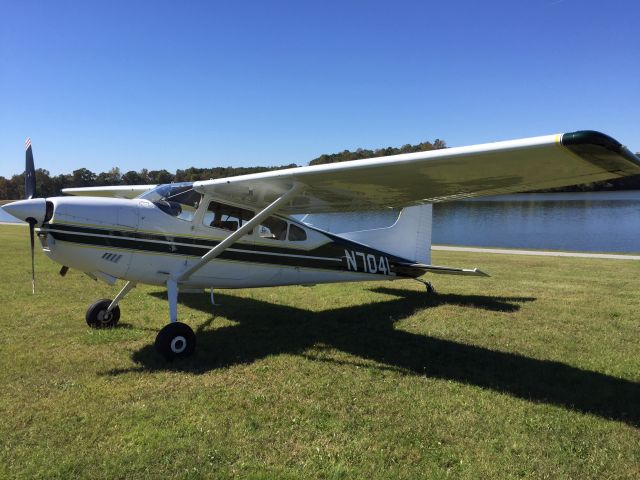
column 169, row 84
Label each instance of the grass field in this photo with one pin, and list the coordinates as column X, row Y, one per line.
column 534, row 373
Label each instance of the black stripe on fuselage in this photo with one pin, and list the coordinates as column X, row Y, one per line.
column 332, row 254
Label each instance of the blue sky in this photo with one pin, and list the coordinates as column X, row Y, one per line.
column 176, row 84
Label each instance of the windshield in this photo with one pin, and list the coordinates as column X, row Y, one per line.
column 162, row 192
column 179, row 200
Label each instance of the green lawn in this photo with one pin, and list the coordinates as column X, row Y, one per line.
column 533, row 373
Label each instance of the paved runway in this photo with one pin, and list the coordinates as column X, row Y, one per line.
column 509, row 251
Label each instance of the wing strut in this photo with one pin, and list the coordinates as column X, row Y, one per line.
column 231, row 239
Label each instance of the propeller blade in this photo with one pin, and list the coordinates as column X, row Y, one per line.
column 29, row 172
column 32, row 224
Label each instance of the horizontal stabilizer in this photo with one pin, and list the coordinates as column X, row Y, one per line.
column 441, row 270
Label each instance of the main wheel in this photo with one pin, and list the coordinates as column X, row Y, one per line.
column 176, row 340
column 98, row 317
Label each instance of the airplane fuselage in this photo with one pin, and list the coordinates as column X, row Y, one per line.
column 135, row 240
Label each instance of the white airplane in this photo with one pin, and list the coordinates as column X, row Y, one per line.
column 238, row 232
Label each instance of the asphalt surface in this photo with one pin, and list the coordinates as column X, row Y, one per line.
column 543, row 253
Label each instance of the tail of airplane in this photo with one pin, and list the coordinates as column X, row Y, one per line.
column 409, row 237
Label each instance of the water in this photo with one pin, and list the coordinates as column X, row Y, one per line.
column 596, row 222
column 5, row 217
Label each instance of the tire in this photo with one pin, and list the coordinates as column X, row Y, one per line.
column 176, row 340
column 97, row 316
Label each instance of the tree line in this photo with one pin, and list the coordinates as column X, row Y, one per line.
column 361, row 153
column 49, row 186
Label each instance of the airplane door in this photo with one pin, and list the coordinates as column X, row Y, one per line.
column 216, row 223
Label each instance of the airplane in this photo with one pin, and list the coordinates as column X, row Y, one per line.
column 239, row 232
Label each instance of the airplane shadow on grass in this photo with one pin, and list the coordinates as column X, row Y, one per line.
column 367, row 331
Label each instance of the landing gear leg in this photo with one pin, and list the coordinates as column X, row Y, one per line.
column 175, row 340
column 105, row 313
column 121, row 294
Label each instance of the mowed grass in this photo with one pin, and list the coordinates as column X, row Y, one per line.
column 533, row 373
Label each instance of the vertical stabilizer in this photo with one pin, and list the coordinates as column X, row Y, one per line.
column 409, row 237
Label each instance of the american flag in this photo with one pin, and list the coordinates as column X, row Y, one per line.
column 27, row 143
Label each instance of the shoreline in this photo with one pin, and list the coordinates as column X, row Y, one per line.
column 543, row 253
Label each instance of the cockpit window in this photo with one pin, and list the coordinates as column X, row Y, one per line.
column 179, row 200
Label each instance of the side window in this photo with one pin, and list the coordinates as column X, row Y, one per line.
column 296, row 234
column 273, row 228
column 226, row 217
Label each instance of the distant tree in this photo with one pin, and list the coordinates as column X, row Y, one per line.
column 160, row 176
column 439, row 144
column 83, row 177
column 4, row 189
column 59, row 182
column 112, row 177
column 16, row 186
column 361, row 153
column 133, row 178
column 44, row 184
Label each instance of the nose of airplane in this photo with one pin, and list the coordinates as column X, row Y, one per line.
column 35, row 208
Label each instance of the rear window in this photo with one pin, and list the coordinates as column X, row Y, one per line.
column 273, row 228
column 296, row 234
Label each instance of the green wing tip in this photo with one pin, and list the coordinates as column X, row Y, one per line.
column 594, row 144
column 591, row 137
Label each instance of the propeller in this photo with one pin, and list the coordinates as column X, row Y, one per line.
column 29, row 193
column 32, row 224
column 29, row 172
column 33, row 210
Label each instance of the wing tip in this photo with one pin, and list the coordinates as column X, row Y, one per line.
column 591, row 137
column 593, row 144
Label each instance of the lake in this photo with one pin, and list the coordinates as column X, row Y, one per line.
column 591, row 221
column 594, row 221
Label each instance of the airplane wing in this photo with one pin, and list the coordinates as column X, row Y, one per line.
column 435, row 176
column 119, row 191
